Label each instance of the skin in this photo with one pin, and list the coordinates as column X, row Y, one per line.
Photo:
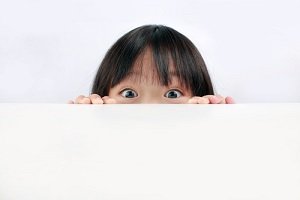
column 142, row 87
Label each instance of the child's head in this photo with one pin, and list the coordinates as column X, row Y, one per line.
column 152, row 64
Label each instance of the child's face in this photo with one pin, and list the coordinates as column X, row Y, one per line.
column 139, row 86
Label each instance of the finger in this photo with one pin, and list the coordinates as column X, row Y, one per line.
column 221, row 99
column 83, row 100
column 79, row 99
column 96, row 99
column 214, row 99
column 192, row 101
column 199, row 100
column 86, row 100
column 229, row 100
column 70, row 102
column 108, row 100
column 202, row 100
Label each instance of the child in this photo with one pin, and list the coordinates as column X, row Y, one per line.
column 152, row 64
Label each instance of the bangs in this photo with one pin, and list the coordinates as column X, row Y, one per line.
column 172, row 54
column 175, row 54
column 159, row 68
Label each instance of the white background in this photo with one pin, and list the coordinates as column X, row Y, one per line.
column 50, row 50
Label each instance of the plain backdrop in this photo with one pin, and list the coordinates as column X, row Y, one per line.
column 51, row 50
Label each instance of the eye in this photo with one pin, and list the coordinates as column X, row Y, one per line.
column 128, row 93
column 173, row 94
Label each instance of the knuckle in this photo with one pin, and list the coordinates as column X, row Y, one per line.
column 97, row 101
column 95, row 96
column 79, row 98
column 86, row 100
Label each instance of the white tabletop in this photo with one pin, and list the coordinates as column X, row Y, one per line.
column 60, row 151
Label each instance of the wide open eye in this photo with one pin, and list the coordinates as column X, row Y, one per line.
column 173, row 94
column 128, row 93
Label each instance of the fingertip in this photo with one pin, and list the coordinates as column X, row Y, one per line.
column 78, row 100
column 213, row 100
column 86, row 100
column 229, row 100
column 105, row 98
column 95, row 96
column 199, row 100
column 96, row 99
column 204, row 100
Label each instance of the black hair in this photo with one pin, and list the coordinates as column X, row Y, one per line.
column 165, row 44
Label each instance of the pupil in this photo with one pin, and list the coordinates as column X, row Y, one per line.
column 129, row 94
column 172, row 94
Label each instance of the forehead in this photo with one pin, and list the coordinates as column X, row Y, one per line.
column 145, row 70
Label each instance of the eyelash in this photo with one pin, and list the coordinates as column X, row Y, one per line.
column 182, row 94
column 128, row 89
column 175, row 90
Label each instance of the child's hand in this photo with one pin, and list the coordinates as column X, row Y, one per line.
column 92, row 99
column 211, row 99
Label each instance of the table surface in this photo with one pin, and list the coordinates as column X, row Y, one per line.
column 61, row 151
